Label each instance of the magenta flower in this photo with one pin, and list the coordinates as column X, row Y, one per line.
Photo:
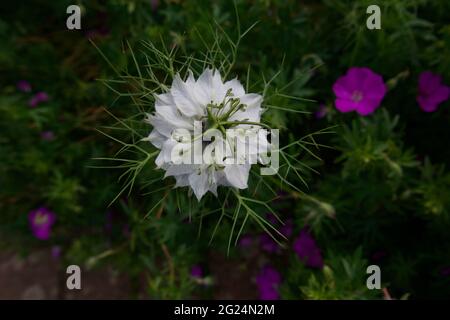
column 24, row 86
column 37, row 99
column 268, row 281
column 196, row 271
column 307, row 250
column 431, row 92
column 360, row 90
column 41, row 221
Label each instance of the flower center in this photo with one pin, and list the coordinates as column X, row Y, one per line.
column 40, row 219
column 357, row 96
column 218, row 114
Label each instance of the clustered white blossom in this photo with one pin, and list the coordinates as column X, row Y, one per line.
column 216, row 105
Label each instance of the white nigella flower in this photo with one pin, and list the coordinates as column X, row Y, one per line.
column 216, row 105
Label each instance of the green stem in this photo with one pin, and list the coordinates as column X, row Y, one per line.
column 246, row 122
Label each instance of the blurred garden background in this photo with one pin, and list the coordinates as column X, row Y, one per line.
column 375, row 189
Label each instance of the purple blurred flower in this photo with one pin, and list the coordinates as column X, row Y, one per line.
column 109, row 221
column 24, row 86
column 321, row 112
column 245, row 241
column 196, row 271
column 307, row 250
column 268, row 281
column 126, row 231
column 445, row 272
column 47, row 135
column 431, row 92
column 37, row 99
column 101, row 28
column 378, row 255
column 56, row 252
column 100, row 32
column 287, row 229
column 267, row 242
column 41, row 221
column 360, row 90
column 154, row 4
column 281, row 194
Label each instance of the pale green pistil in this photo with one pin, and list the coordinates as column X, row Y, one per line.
column 219, row 118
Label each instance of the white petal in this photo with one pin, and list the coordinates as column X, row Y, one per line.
column 182, row 181
column 166, row 108
column 218, row 89
column 237, row 175
column 181, row 92
column 252, row 99
column 165, row 99
column 160, row 124
column 174, row 118
column 166, row 150
column 180, row 169
column 236, row 87
column 253, row 110
column 156, row 138
column 159, row 161
column 203, row 87
column 199, row 183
